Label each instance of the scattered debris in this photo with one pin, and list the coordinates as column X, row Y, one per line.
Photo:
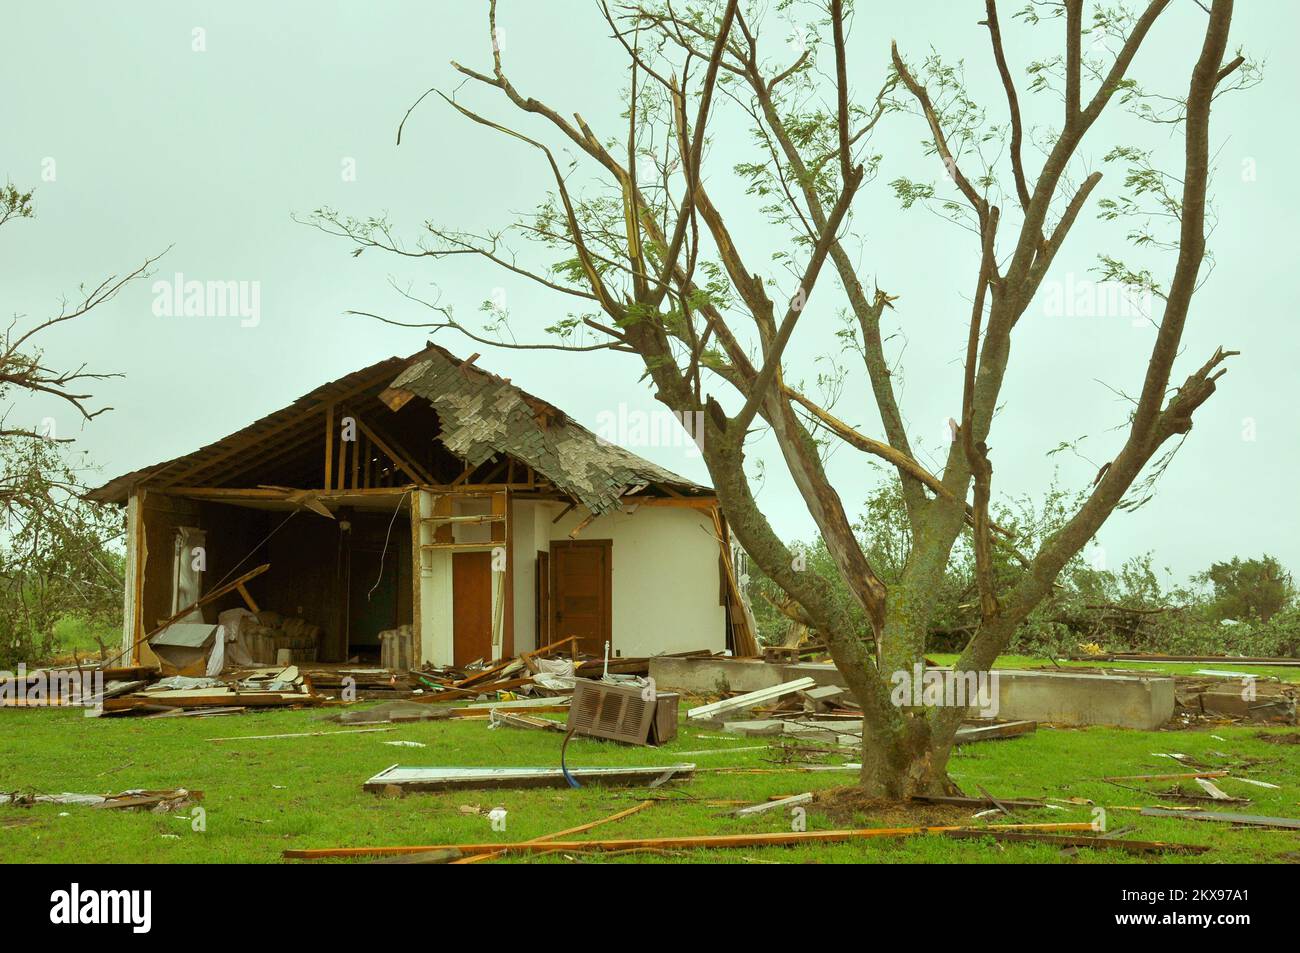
column 499, row 718
column 1214, row 791
column 581, row 828
column 136, row 799
column 777, row 805
column 705, row 713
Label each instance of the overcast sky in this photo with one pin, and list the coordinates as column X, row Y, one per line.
column 135, row 140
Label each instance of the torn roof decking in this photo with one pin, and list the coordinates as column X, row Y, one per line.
column 484, row 415
column 480, row 416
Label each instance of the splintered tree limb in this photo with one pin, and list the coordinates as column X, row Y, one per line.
column 885, row 452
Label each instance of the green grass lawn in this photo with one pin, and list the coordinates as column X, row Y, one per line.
column 267, row 795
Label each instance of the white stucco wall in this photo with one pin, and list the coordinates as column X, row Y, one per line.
column 665, row 579
column 666, row 583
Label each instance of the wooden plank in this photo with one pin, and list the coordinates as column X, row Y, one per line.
column 197, row 700
column 704, row 841
column 483, row 712
column 750, row 699
column 248, row 599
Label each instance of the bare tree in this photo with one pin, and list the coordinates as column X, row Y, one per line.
column 656, row 271
column 57, row 552
column 22, row 368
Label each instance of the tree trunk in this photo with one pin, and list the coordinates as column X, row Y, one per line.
column 903, row 764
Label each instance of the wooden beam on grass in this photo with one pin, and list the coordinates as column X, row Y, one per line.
column 690, row 842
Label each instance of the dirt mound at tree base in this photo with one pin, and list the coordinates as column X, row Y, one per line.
column 849, row 806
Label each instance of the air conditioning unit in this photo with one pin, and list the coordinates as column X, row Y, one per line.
column 622, row 713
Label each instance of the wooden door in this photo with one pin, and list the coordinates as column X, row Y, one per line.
column 471, row 594
column 581, row 593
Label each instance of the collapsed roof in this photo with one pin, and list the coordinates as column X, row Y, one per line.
column 479, row 417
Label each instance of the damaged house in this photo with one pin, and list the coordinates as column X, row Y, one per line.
column 428, row 493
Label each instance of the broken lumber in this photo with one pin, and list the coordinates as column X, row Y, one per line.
column 750, row 700
column 703, row 841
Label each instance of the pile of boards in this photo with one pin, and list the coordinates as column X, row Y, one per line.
column 271, row 687
column 824, row 714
